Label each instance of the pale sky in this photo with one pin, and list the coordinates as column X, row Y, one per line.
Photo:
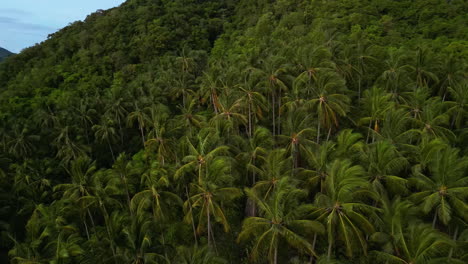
column 24, row 23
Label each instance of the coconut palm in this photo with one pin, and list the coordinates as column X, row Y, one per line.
column 384, row 163
column 418, row 243
column 459, row 105
column 105, row 132
column 201, row 155
column 328, row 102
column 270, row 169
column 376, row 103
column 207, row 199
column 296, row 135
column 339, row 206
column 442, row 184
column 279, row 221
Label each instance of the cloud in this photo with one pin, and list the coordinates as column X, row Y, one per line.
column 14, row 23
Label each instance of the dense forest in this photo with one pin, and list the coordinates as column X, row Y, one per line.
column 240, row 131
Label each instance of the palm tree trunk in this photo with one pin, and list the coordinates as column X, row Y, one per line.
column 329, row 133
column 368, row 131
column 275, row 256
column 279, row 113
column 142, row 135
column 329, row 250
column 208, row 224
column 318, row 131
column 250, row 121
column 110, row 148
column 454, row 240
column 313, row 248
column 106, row 220
column 120, row 130
column 193, row 222
column 273, row 111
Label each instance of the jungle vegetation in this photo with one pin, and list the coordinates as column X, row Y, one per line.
column 240, row 131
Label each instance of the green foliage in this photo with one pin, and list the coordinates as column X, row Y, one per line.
column 239, row 131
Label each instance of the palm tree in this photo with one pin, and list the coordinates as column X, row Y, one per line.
column 318, row 159
column 395, row 72
column 105, row 132
column 418, row 243
column 296, row 134
column 442, row 184
column 271, row 76
column 199, row 157
column 459, row 105
column 81, row 172
column 433, row 120
column 348, row 145
column 384, row 163
column 270, row 169
column 279, row 221
column 328, row 103
column 341, row 209
column 68, row 149
column 312, row 61
column 422, row 67
column 251, row 152
column 397, row 215
column 21, row 144
column 139, row 240
column 376, row 104
column 189, row 118
column 229, row 115
column 154, row 197
column 85, row 115
column 254, row 103
column 142, row 119
column 117, row 108
column 208, row 198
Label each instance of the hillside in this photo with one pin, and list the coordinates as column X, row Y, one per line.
column 239, row 131
column 4, row 53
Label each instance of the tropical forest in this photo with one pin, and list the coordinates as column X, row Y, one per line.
column 240, row 131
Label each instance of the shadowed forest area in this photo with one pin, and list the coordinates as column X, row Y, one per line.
column 240, row 131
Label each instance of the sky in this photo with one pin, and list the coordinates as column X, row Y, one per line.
column 24, row 23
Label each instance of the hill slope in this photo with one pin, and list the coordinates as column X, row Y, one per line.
column 239, row 131
column 4, row 53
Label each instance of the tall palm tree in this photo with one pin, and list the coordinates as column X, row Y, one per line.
column 141, row 118
column 270, row 169
column 340, row 207
column 272, row 77
column 155, row 197
column 105, row 132
column 296, row 134
column 384, row 163
column 81, row 172
column 395, row 72
column 459, row 105
column 279, row 221
column 201, row 155
column 207, row 199
column 442, row 184
column 328, row 102
column 422, row 67
column 376, row 103
column 418, row 243
column 433, row 121
column 254, row 104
